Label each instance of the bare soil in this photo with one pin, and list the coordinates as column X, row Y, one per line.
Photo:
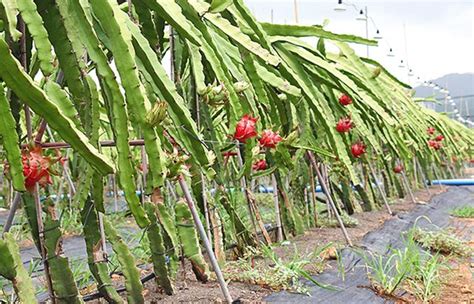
column 459, row 286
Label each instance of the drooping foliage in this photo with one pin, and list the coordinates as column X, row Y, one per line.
column 177, row 77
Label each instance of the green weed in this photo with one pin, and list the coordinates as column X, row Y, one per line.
column 347, row 220
column 425, row 283
column 464, row 212
column 267, row 269
column 441, row 241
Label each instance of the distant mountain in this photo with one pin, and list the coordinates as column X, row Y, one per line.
column 457, row 84
column 461, row 89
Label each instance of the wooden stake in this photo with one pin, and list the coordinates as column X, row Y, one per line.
column 313, row 194
column 382, row 193
column 405, row 180
column 206, row 207
column 203, row 235
column 11, row 213
column 415, row 174
column 39, row 220
column 277, row 209
column 437, row 177
column 423, row 176
column 329, row 198
column 243, row 183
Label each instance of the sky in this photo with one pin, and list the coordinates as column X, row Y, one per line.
column 432, row 37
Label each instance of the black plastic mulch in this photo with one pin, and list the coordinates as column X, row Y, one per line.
column 379, row 241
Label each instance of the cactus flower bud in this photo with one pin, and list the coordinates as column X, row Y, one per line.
column 157, row 114
column 282, row 97
column 241, row 86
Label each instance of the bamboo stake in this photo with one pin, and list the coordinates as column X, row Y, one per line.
column 437, row 177
column 243, row 183
column 4, row 184
column 206, row 207
column 11, row 213
column 258, row 217
column 306, row 207
column 39, row 220
column 144, row 170
column 328, row 192
column 102, row 235
column 313, row 194
column 382, row 193
column 329, row 198
column 423, row 176
column 277, row 209
column 171, row 190
column 115, row 192
column 415, row 174
column 203, row 235
column 66, row 173
column 29, row 132
column 405, row 180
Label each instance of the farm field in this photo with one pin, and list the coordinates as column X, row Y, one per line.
column 190, row 152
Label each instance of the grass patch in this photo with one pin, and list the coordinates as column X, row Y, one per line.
column 426, row 281
column 464, row 212
column 441, row 242
column 347, row 220
column 265, row 268
column 405, row 269
column 387, row 272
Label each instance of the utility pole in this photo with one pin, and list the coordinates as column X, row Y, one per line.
column 295, row 9
column 366, row 29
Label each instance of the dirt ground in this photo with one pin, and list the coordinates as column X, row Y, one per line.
column 192, row 291
column 459, row 286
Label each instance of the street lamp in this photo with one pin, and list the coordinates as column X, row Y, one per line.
column 362, row 16
column 377, row 35
column 340, row 7
column 410, row 72
column 390, row 53
column 401, row 65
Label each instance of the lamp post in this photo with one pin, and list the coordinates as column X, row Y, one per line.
column 367, row 29
column 295, row 7
column 340, row 7
column 363, row 16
